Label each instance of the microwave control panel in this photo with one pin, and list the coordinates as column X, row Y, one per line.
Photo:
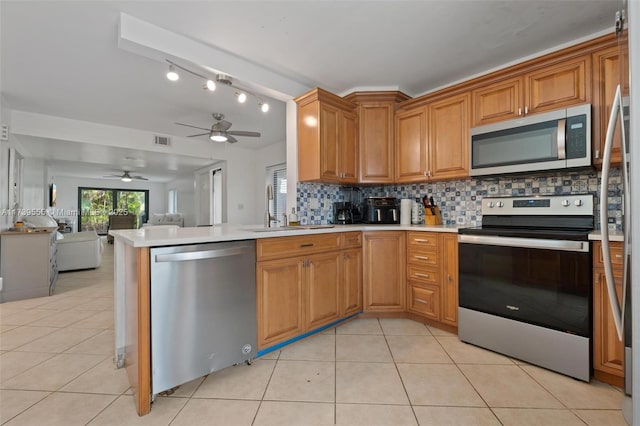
column 576, row 136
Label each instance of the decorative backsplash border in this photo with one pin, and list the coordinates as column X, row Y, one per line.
column 460, row 200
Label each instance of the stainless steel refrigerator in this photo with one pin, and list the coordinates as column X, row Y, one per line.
column 627, row 97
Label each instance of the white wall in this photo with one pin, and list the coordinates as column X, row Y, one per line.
column 67, row 188
column 186, row 199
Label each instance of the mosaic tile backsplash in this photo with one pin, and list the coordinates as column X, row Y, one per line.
column 460, row 201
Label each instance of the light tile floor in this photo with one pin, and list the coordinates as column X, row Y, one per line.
column 56, row 368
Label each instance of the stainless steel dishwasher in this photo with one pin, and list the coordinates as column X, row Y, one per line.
column 203, row 310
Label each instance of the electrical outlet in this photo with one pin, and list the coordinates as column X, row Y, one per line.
column 611, row 224
column 0, row 283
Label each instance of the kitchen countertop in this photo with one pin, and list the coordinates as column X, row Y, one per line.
column 613, row 236
column 155, row 236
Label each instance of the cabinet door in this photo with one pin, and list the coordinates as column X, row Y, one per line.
column 411, row 145
column 280, row 300
column 497, row 102
column 384, row 271
column 376, row 143
column 351, row 301
column 329, row 141
column 607, row 66
column 348, row 148
column 449, row 138
column 559, row 85
column 608, row 351
column 449, row 265
column 323, row 289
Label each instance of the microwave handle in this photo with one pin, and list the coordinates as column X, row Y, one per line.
column 561, row 139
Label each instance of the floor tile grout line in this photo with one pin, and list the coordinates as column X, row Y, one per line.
column 264, row 392
column 404, row 387
column 543, row 387
column 30, row 406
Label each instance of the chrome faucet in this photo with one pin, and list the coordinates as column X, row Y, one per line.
column 268, row 218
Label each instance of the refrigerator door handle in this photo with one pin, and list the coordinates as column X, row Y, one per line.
column 616, row 311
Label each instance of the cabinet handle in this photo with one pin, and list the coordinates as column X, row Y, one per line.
column 520, row 111
column 306, row 245
column 421, row 240
column 421, row 301
column 448, row 278
column 418, row 274
column 526, row 110
column 346, row 256
column 429, row 173
column 422, row 257
column 618, row 256
column 597, row 153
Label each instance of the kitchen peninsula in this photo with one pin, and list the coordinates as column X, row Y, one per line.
column 375, row 255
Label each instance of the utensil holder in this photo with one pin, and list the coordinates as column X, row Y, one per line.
column 432, row 218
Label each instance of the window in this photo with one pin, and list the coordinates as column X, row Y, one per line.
column 277, row 177
column 95, row 205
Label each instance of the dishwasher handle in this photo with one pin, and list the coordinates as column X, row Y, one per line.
column 199, row 255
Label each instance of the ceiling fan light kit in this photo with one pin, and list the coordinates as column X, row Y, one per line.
column 126, row 177
column 210, row 85
column 219, row 131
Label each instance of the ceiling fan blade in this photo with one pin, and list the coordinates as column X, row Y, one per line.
column 222, row 125
column 139, row 178
column 231, row 139
column 244, row 133
column 112, row 176
column 199, row 134
column 189, row 125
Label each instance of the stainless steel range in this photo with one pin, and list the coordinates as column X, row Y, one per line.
column 525, row 281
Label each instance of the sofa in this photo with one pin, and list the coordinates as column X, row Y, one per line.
column 165, row 219
column 79, row 250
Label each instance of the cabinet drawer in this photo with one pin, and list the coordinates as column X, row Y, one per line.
column 424, row 300
column 422, row 274
column 617, row 252
column 350, row 239
column 422, row 257
column 273, row 248
column 422, row 239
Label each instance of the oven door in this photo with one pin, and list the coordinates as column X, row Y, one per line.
column 536, row 281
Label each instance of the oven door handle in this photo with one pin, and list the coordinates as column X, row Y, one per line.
column 534, row 243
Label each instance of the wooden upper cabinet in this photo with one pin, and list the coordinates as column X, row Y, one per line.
column 327, row 138
column 559, row 85
column 411, row 145
column 547, row 88
column 497, row 102
column 608, row 68
column 449, row 137
column 375, row 134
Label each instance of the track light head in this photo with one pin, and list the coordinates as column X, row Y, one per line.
column 242, row 97
column 172, row 75
column 210, row 85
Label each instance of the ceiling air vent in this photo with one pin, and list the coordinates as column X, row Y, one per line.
column 4, row 132
column 162, row 140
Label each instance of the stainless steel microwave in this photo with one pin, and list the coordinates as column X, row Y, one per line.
column 553, row 140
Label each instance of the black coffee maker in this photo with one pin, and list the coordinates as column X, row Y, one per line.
column 343, row 213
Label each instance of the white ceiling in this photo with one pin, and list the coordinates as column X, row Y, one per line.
column 62, row 58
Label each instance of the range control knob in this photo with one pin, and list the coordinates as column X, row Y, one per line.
column 566, row 203
column 578, row 203
column 500, row 204
column 490, row 204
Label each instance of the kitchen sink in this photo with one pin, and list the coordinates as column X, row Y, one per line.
column 290, row 228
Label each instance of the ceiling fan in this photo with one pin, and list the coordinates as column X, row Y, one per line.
column 125, row 177
column 220, row 132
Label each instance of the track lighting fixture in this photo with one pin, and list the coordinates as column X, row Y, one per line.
column 172, row 74
column 210, row 84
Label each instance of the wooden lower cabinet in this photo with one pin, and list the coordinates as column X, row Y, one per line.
column 280, row 295
column 608, row 350
column 432, row 273
column 351, row 301
column 316, row 280
column 323, row 288
column 449, row 275
column 384, row 271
